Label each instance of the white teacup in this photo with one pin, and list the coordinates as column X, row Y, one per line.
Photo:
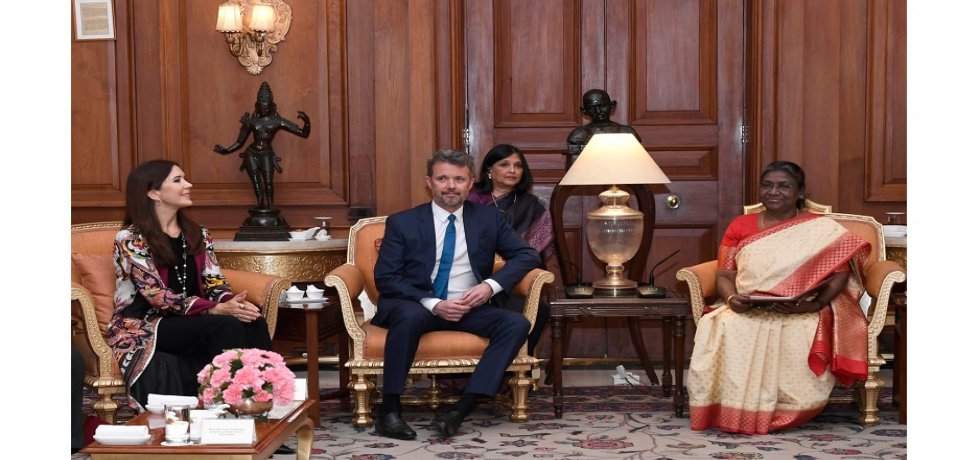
column 300, row 235
column 293, row 293
column 177, row 431
column 314, row 292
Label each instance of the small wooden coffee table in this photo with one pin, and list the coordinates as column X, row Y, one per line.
column 270, row 434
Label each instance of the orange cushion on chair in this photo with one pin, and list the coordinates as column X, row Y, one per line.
column 434, row 345
column 98, row 274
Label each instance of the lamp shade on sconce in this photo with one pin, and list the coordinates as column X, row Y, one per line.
column 229, row 18
column 263, row 18
column 253, row 30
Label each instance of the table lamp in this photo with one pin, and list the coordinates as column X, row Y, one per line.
column 614, row 230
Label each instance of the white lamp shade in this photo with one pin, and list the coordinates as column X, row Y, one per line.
column 263, row 18
column 614, row 158
column 229, row 18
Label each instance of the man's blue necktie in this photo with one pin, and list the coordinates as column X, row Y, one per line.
column 441, row 283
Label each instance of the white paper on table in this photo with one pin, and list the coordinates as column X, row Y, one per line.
column 227, row 431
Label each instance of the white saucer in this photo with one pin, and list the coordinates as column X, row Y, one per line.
column 176, row 444
column 301, row 239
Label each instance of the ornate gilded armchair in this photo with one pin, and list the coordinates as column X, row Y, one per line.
column 93, row 283
column 441, row 352
column 879, row 275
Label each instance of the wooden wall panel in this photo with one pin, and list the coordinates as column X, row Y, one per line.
column 536, row 51
column 886, row 163
column 828, row 91
column 675, row 47
column 102, row 137
column 190, row 92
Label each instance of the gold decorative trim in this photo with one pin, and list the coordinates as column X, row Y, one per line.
column 298, row 266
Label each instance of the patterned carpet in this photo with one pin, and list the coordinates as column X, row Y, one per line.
column 609, row 423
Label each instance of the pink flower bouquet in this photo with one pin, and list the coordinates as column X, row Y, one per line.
column 239, row 374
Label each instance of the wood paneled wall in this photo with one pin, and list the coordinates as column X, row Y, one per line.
column 827, row 90
column 385, row 83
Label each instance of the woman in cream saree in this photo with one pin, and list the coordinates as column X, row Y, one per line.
column 759, row 369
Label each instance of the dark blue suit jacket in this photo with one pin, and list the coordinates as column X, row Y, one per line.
column 408, row 253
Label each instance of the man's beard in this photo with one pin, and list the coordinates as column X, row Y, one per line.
column 449, row 202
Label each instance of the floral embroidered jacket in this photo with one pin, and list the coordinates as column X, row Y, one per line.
column 142, row 298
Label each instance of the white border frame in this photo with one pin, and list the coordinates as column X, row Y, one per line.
column 79, row 33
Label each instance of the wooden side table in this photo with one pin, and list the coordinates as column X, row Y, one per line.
column 311, row 323
column 299, row 262
column 672, row 310
column 896, row 250
column 900, row 385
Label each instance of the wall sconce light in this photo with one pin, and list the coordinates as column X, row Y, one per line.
column 252, row 29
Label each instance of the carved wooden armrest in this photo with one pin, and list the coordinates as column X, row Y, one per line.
column 700, row 281
column 89, row 326
column 879, row 278
column 349, row 282
column 264, row 290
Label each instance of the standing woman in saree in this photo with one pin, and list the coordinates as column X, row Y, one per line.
column 504, row 182
column 761, row 367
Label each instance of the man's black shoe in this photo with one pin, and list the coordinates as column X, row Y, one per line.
column 391, row 425
column 284, row 450
column 448, row 422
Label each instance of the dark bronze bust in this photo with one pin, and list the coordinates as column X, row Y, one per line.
column 260, row 162
column 596, row 105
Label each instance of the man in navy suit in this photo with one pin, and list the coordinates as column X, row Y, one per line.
column 415, row 298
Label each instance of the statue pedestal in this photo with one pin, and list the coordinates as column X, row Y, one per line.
column 263, row 224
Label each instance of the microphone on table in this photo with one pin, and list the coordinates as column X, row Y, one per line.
column 654, row 292
column 579, row 290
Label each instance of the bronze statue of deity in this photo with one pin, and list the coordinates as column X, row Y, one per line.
column 260, row 162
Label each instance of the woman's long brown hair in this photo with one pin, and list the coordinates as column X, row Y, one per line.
column 140, row 211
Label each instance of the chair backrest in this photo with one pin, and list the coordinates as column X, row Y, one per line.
column 867, row 228
column 362, row 250
column 92, row 265
column 808, row 205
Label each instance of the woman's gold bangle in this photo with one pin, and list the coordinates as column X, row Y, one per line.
column 729, row 299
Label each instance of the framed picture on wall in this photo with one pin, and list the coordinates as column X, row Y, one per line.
column 93, row 20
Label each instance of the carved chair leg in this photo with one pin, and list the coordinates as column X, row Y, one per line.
column 867, row 397
column 106, row 407
column 434, row 393
column 362, row 388
column 520, row 383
